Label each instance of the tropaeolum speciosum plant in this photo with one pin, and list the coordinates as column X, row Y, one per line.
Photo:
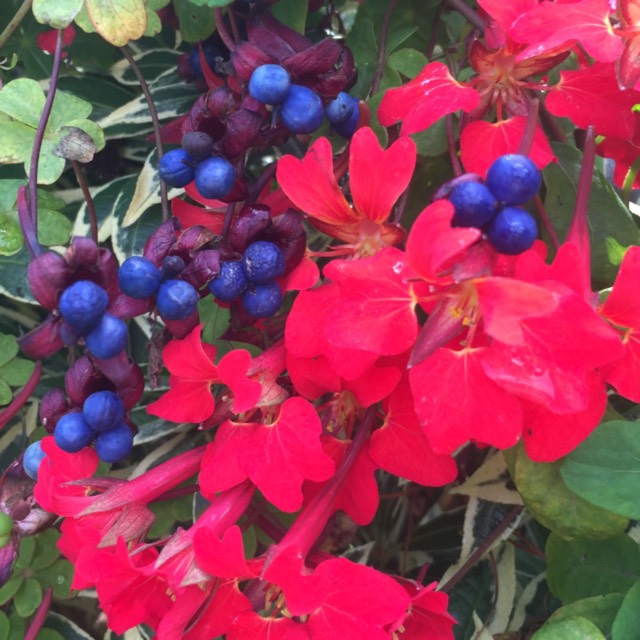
column 319, row 319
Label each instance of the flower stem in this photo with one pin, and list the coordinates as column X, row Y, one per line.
column 451, row 143
column 223, row 32
column 153, row 112
column 630, row 178
column 21, row 397
column 468, row 13
column 93, row 220
column 382, row 48
column 14, row 23
column 529, row 133
column 546, row 221
column 39, row 137
column 40, row 616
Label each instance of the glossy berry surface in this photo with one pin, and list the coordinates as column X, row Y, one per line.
column 301, row 111
column 230, row 283
column 73, row 433
column 176, row 299
column 512, row 231
column 138, row 277
column 474, row 205
column 116, row 444
column 82, row 304
column 33, row 457
column 262, row 262
column 109, row 337
column 103, row 410
column 175, row 168
column 269, row 84
column 214, row 177
column 262, row 300
column 513, row 179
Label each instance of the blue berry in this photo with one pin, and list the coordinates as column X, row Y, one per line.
column 73, row 433
column 340, row 109
column 475, row 205
column 197, row 144
column 116, row 444
column 211, row 51
column 513, row 179
column 262, row 300
column 215, row 177
column 262, row 262
column 301, row 111
column 109, row 337
column 230, row 282
column 138, row 277
column 347, row 128
column 176, row 299
column 82, row 304
column 32, row 458
column 175, row 168
column 103, row 410
column 269, row 84
column 512, row 231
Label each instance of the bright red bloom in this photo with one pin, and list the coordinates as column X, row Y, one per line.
column 551, row 26
column 427, row 618
column 276, row 457
column 47, row 40
column 377, row 179
column 628, row 66
column 424, row 100
column 190, row 363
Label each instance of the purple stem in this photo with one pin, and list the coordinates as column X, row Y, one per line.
column 93, row 219
column 451, row 143
column 40, row 616
column 260, row 183
column 530, row 128
column 39, row 137
column 468, row 13
column 21, row 397
column 26, row 224
column 155, row 121
column 223, row 32
column 382, row 48
column 546, row 221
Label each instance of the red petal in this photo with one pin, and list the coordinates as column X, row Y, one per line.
column 482, row 142
column 433, row 244
column 552, row 25
column 592, row 96
column 186, row 401
column 187, row 359
column 456, row 402
column 311, row 185
column 377, row 177
column 424, row 100
column 232, row 369
column 191, row 215
column 375, row 311
column 624, row 374
column 223, row 556
column 622, row 307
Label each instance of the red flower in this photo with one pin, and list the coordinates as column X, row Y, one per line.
column 47, row 40
column 377, row 178
column 190, row 363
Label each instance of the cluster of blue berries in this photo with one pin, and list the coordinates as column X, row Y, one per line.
column 83, row 306
column 101, row 421
column 300, row 108
column 252, row 279
column 139, row 278
column 512, row 180
column 214, row 175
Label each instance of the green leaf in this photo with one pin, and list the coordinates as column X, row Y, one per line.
column 408, row 62
column 8, row 348
column 608, row 216
column 66, row 628
column 28, row 597
column 570, row 629
column 118, row 21
column 293, row 13
column 473, row 594
column 17, row 372
column 46, row 550
column 584, row 568
column 9, row 588
column 211, row 3
column 54, row 228
column 11, row 238
column 558, row 508
column 58, row 14
column 601, row 610
column 9, row 193
column 627, row 621
column 59, row 576
column 196, row 23
column 605, row 468
column 17, row 140
column 25, row 554
column 13, row 276
column 216, row 318
column 5, row 625
column 23, row 100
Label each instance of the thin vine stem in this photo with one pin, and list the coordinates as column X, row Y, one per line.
column 14, row 23
column 485, row 545
column 153, row 112
column 382, row 48
column 526, row 142
column 546, row 221
column 93, row 219
column 468, row 13
column 630, row 178
column 39, row 137
column 223, row 32
column 451, row 144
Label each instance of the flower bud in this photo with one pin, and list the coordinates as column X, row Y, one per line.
column 54, row 404
column 48, row 276
column 204, row 267
column 250, row 224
